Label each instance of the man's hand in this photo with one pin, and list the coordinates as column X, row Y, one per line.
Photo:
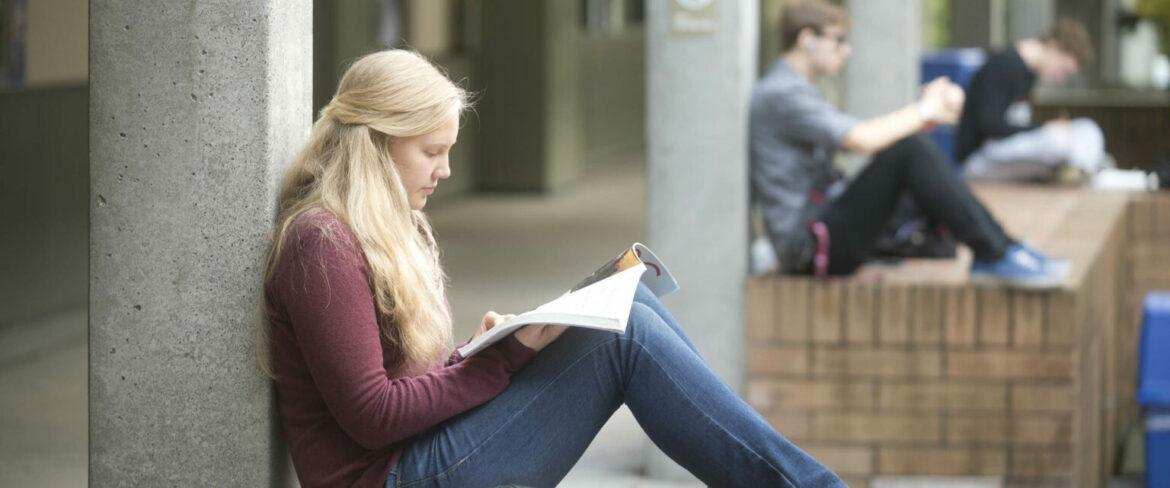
column 943, row 100
column 940, row 102
column 1061, row 123
column 490, row 320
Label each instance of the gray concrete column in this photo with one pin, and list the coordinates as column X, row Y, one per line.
column 769, row 22
column 701, row 65
column 195, row 109
column 1029, row 18
column 978, row 23
column 530, row 110
column 882, row 75
column 1099, row 18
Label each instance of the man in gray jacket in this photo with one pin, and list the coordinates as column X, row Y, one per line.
column 820, row 224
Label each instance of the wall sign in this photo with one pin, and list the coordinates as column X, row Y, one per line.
column 693, row 17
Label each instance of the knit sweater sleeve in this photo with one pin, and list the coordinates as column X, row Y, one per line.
column 323, row 286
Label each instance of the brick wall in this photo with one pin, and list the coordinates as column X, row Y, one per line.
column 945, row 378
column 1146, row 268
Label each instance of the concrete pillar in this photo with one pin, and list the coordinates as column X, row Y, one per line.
column 43, row 268
column 1107, row 42
column 195, row 109
column 1099, row 18
column 882, row 75
column 701, row 64
column 1029, row 18
column 978, row 23
column 769, row 26
column 530, row 110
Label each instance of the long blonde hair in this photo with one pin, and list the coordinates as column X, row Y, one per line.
column 345, row 169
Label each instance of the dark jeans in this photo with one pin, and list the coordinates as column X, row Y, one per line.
column 533, row 432
column 915, row 166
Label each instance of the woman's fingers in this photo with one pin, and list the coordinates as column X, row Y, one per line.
column 489, row 320
column 537, row 336
column 554, row 331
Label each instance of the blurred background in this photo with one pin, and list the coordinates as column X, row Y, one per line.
column 557, row 137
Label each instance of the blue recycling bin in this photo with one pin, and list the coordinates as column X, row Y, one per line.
column 1154, row 386
column 960, row 66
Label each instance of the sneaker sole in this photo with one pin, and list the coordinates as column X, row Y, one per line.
column 1025, row 284
column 1063, row 269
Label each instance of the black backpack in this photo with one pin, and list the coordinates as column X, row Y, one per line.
column 912, row 234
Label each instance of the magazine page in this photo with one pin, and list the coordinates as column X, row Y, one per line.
column 622, row 262
column 610, row 297
column 603, row 305
column 657, row 277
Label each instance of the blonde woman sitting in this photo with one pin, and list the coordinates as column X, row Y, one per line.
column 359, row 330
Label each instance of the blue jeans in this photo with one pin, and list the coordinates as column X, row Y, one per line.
column 533, row 432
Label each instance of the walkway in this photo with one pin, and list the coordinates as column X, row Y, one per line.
column 506, row 253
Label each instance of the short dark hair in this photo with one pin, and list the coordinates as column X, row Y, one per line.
column 808, row 14
column 1071, row 37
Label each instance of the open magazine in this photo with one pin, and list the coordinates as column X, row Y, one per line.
column 600, row 301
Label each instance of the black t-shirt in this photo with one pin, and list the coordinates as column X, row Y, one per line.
column 999, row 102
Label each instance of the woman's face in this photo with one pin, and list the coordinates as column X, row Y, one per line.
column 423, row 160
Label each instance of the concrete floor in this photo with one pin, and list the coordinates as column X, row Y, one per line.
column 43, row 402
column 503, row 253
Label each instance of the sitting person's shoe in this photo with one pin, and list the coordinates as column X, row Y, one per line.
column 1018, row 268
column 1053, row 264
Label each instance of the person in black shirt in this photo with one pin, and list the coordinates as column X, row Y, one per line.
column 997, row 139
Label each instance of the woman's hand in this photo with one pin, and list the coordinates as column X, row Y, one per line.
column 537, row 336
column 491, row 319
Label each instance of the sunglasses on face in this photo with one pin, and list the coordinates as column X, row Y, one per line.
column 840, row 39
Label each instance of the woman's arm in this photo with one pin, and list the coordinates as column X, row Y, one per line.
column 324, row 290
column 490, row 319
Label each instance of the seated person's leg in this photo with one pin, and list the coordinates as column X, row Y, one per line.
column 916, row 166
column 929, row 178
column 1088, row 145
column 1036, row 154
column 856, row 218
column 646, row 297
column 537, row 428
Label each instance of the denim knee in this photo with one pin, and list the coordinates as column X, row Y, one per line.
column 643, row 293
column 646, row 325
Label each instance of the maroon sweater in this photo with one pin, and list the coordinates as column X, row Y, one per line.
column 348, row 404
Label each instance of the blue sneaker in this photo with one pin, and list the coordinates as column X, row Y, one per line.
column 1018, row 268
column 1052, row 264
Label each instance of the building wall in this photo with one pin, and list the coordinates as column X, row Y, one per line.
column 58, row 42
column 43, row 194
column 925, row 373
column 558, row 99
column 44, row 134
column 613, row 80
